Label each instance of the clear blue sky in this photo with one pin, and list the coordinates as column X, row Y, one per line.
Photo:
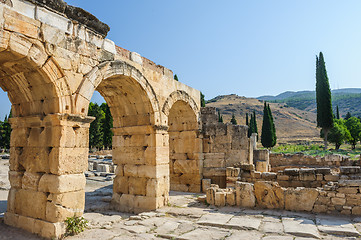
column 250, row 48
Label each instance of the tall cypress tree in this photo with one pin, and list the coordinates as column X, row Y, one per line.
column 220, row 117
column 255, row 128
column 107, row 125
column 274, row 136
column 233, row 119
column 323, row 98
column 203, row 102
column 337, row 113
column 249, row 124
column 95, row 130
column 176, row 77
column 267, row 129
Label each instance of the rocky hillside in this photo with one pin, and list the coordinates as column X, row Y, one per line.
column 292, row 124
column 347, row 99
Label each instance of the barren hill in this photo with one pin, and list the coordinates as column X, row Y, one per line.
column 292, row 124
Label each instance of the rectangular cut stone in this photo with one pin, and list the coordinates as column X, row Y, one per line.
column 54, row 20
column 56, row 213
column 121, row 185
column 68, row 160
column 61, row 184
column 25, row 8
column 137, row 185
column 15, row 179
column 30, row 203
column 30, row 181
column 18, row 23
column 109, row 46
column 72, row 200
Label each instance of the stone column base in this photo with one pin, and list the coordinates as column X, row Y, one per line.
column 40, row 227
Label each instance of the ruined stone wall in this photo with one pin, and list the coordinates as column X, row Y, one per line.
column 294, row 177
column 343, row 197
column 279, row 161
column 223, row 146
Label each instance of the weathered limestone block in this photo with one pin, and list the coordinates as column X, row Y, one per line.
column 206, row 183
column 211, row 194
column 121, row 185
column 231, row 198
column 338, row 201
column 333, row 178
column 35, row 159
column 72, row 200
column 30, row 203
column 56, row 213
column 62, row 184
column 30, row 181
column 356, row 210
column 269, row 195
column 157, row 187
column 245, row 194
column 220, row 199
column 137, row 185
column 15, row 179
column 320, row 208
column 300, row 199
column 186, row 166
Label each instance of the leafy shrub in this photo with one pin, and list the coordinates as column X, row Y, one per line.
column 75, row 225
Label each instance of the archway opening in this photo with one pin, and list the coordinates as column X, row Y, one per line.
column 5, row 131
column 184, row 149
column 134, row 145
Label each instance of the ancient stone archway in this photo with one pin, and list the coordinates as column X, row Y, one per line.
column 184, row 143
column 51, row 61
column 139, row 144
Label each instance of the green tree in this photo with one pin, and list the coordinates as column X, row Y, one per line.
column 176, row 77
column 353, row 124
column 203, row 102
column 337, row 113
column 268, row 134
column 274, row 136
column 233, row 119
column 251, row 126
column 95, row 130
column 5, row 132
column 107, row 125
column 247, row 123
column 220, row 117
column 348, row 115
column 255, row 128
column 323, row 98
column 338, row 133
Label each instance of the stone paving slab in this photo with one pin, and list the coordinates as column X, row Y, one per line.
column 277, row 237
column 250, row 235
column 205, row 234
column 244, row 223
column 272, row 227
column 214, row 219
column 301, row 227
column 337, row 226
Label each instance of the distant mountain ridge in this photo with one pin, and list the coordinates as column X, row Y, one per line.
column 347, row 99
column 304, row 94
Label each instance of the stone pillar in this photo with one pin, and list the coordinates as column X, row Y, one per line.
column 48, row 156
column 141, row 154
column 261, row 160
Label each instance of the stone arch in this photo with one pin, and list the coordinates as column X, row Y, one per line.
column 141, row 184
column 179, row 95
column 184, row 142
column 35, row 83
column 109, row 71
